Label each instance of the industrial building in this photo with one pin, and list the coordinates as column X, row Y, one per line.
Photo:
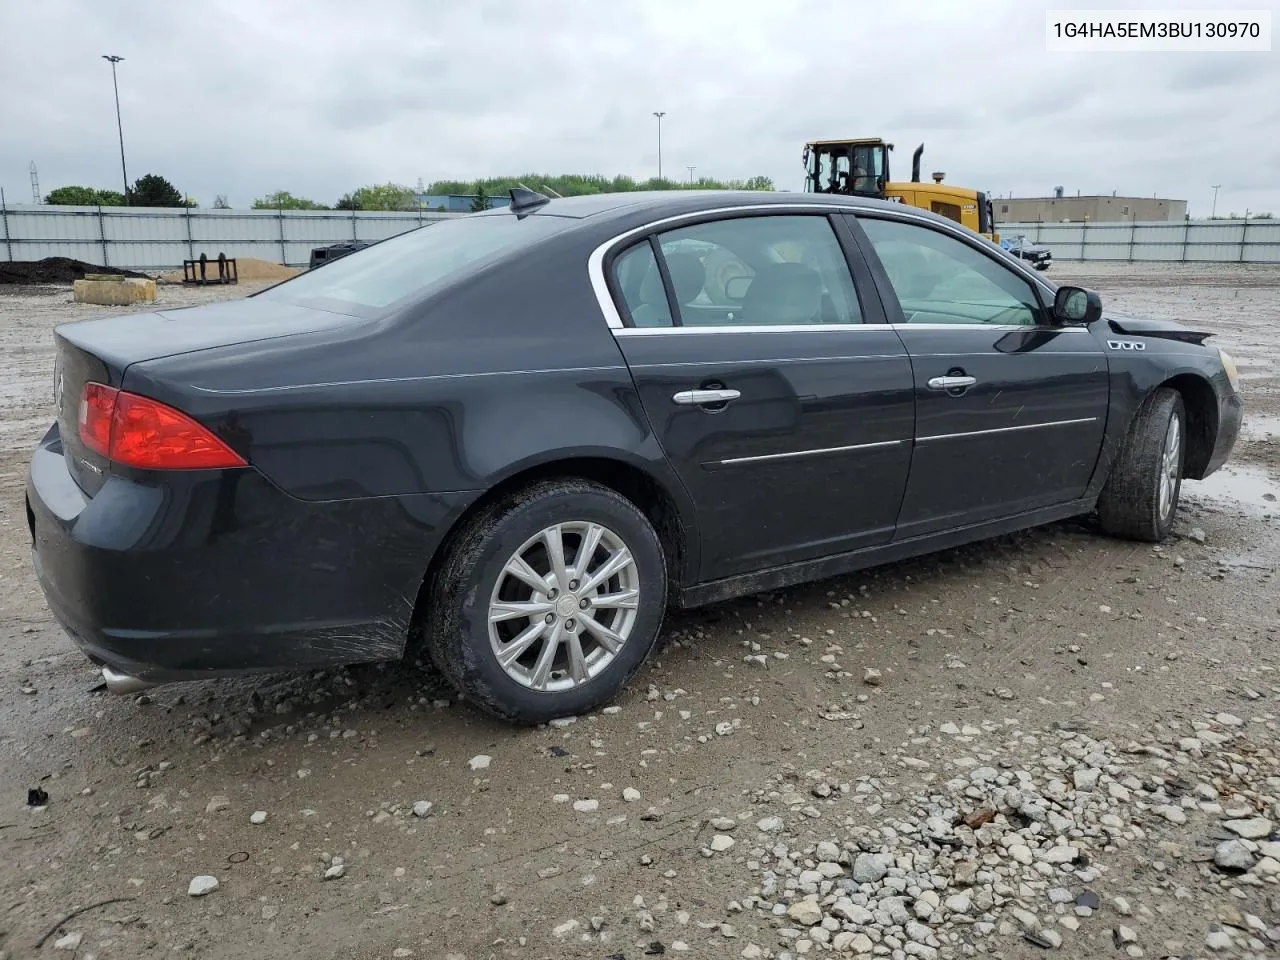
column 1094, row 209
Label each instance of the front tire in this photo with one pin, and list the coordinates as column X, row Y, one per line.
column 548, row 602
column 1140, row 499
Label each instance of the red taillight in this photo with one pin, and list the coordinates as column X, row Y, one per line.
column 140, row 432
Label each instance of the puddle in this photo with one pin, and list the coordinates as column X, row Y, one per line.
column 1239, row 484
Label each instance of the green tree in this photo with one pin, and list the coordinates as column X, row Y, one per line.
column 383, row 196
column 284, row 200
column 220, row 202
column 481, row 201
column 578, row 184
column 155, row 191
column 84, row 197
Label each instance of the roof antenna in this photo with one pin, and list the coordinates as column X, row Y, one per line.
column 546, row 189
column 522, row 198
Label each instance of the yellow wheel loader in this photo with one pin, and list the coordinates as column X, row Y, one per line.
column 861, row 168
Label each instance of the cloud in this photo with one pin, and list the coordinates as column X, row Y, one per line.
column 319, row 97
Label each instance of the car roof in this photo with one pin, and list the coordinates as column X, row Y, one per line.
column 660, row 203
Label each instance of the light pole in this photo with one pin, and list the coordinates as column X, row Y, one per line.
column 1215, row 200
column 691, row 169
column 119, row 126
column 659, row 114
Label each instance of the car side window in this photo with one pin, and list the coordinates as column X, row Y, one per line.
column 760, row 271
column 639, row 282
column 940, row 279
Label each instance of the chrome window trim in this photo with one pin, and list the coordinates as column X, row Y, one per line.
column 996, row 327
column 764, row 457
column 748, row 328
column 1015, row 429
column 769, row 361
column 600, row 284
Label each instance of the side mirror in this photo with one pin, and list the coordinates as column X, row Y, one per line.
column 1077, row 306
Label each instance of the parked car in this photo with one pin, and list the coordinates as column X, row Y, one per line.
column 519, row 437
column 1039, row 256
column 322, row 255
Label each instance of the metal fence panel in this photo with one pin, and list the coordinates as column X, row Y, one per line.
column 1223, row 241
column 160, row 238
column 151, row 238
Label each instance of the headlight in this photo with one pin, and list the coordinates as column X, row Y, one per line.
column 1229, row 367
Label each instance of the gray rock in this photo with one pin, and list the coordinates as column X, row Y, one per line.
column 336, row 872
column 960, row 903
column 258, row 817
column 827, row 852
column 1086, row 779
column 769, row 824
column 1172, row 814
column 845, row 909
column 586, row 806
column 1048, row 938
column 422, row 807
column 721, row 842
column 1232, row 855
column 1218, row 940
column 1196, row 535
column 70, row 942
column 202, row 885
column 1022, row 853
column 870, row 867
column 1122, row 935
column 1254, row 828
column 805, row 912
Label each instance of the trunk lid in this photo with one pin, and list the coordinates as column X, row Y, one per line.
column 101, row 350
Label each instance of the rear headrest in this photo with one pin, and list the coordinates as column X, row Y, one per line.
column 784, row 293
column 688, row 275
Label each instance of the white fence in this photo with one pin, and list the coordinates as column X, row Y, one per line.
column 1221, row 241
column 154, row 238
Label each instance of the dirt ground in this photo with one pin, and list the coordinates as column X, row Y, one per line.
column 1067, row 744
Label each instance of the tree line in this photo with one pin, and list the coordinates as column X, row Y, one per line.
column 155, row 191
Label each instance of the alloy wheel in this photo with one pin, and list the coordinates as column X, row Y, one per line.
column 563, row 606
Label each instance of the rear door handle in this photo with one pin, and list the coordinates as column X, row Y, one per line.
column 952, row 383
column 700, row 397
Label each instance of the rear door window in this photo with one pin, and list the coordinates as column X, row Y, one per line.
column 756, row 271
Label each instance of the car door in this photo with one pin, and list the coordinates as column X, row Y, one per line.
column 1010, row 408
column 782, row 399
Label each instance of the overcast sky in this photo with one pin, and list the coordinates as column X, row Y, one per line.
column 321, row 96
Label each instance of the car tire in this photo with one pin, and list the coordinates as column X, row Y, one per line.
column 480, row 575
column 1140, row 498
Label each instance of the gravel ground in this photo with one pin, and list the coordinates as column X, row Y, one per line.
column 1047, row 743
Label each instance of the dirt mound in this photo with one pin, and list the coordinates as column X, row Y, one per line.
column 55, row 270
column 247, row 268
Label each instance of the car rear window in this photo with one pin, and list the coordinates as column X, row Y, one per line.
column 381, row 277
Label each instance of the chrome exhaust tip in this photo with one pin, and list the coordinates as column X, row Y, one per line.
column 123, row 683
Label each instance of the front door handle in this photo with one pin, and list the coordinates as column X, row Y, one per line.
column 700, row 397
column 952, row 383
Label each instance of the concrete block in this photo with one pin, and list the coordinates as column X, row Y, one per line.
column 114, row 291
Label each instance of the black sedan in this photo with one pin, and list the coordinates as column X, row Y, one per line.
column 518, row 437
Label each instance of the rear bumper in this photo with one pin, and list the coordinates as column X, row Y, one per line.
column 220, row 573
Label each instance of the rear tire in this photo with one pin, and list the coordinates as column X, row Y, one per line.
column 1140, row 499
column 530, row 631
